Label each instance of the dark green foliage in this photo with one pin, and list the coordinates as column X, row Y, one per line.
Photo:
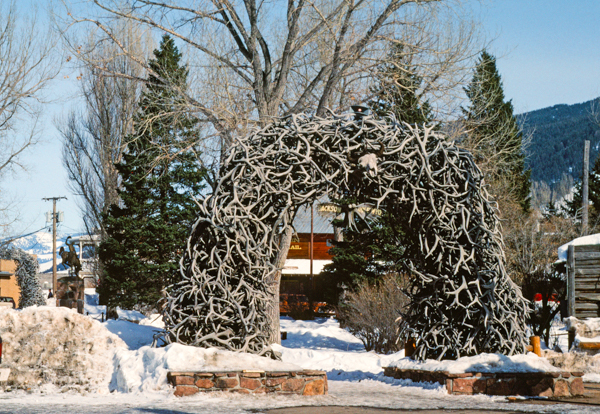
column 161, row 175
column 397, row 91
column 557, row 136
column 370, row 251
column 365, row 254
column 573, row 206
column 493, row 134
column 551, row 210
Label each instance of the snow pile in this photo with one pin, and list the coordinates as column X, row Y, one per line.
column 529, row 362
column 47, row 347
column 577, row 361
column 322, row 345
column 585, row 329
column 145, row 369
column 155, row 320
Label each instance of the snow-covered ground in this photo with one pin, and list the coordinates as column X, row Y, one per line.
column 134, row 379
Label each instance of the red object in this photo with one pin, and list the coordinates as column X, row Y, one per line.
column 538, row 297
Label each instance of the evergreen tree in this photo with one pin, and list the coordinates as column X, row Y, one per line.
column 493, row 134
column 369, row 251
column 397, row 91
column 147, row 232
column 574, row 206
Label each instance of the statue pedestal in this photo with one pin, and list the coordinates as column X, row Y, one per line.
column 70, row 293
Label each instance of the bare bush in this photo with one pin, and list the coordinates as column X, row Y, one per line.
column 372, row 313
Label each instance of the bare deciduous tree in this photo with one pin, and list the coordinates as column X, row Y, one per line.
column 251, row 62
column 26, row 69
column 94, row 138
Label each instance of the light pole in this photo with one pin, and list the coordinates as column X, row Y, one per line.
column 54, row 281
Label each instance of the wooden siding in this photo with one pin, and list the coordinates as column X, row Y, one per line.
column 8, row 284
column 583, row 281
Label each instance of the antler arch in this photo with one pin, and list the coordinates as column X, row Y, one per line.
column 457, row 256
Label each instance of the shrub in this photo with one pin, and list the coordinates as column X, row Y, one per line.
column 550, row 287
column 372, row 313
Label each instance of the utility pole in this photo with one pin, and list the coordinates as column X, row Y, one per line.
column 54, row 281
column 585, row 188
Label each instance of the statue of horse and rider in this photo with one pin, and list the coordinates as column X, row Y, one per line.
column 70, row 258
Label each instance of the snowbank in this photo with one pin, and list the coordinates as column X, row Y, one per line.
column 529, row 362
column 145, row 370
column 581, row 241
column 58, row 347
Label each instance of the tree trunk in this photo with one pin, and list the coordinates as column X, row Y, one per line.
column 273, row 307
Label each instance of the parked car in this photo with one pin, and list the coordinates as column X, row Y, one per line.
column 7, row 301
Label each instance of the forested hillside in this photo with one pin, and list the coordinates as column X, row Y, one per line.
column 557, row 136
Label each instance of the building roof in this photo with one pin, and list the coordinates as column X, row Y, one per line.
column 321, row 224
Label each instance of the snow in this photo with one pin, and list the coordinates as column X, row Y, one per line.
column 491, row 363
column 118, row 372
column 587, row 326
column 592, row 239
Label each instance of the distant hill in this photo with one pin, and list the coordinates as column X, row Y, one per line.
column 558, row 133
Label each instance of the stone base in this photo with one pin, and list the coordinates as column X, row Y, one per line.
column 250, row 382
column 534, row 384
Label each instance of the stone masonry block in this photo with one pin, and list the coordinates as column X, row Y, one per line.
column 500, row 386
column 317, row 387
column 204, row 383
column 293, row 384
column 468, row 386
column 184, row 380
column 184, row 390
column 227, row 382
column 250, row 383
column 273, row 382
column 544, row 388
column 561, row 389
column 576, row 386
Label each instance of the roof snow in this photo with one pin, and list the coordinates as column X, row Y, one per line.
column 580, row 241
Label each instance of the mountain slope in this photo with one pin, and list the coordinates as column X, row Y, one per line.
column 557, row 136
column 40, row 244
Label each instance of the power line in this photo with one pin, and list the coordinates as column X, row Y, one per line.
column 11, row 239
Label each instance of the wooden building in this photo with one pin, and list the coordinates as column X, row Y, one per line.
column 8, row 280
column 297, row 277
column 583, row 280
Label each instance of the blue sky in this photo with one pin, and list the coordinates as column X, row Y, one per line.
column 548, row 53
